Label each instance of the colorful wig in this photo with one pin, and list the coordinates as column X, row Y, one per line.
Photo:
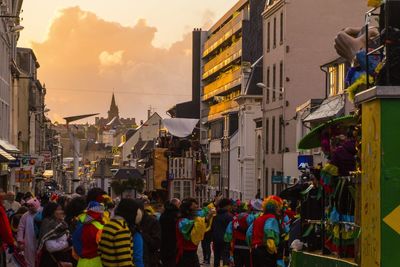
column 272, row 204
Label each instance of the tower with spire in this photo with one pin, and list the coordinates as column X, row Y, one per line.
column 114, row 111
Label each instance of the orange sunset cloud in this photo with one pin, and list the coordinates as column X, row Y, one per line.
column 85, row 58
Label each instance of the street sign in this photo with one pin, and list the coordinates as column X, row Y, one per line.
column 277, row 179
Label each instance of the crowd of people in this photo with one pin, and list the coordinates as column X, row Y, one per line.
column 92, row 230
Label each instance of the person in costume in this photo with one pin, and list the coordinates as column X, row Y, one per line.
column 26, row 235
column 190, row 230
column 265, row 233
column 120, row 244
column 235, row 234
column 86, row 238
column 6, row 237
column 206, row 242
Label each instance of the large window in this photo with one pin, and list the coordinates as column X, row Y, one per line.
column 182, row 189
column 274, row 32
column 268, row 36
column 274, row 82
column 273, row 136
column 281, row 30
column 280, row 137
column 336, row 78
column 280, row 79
column 268, row 83
column 267, row 136
column 217, row 129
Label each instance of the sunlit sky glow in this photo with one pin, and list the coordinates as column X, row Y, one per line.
column 97, row 46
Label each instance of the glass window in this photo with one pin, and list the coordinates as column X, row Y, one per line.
column 281, row 29
column 268, row 83
column 177, row 189
column 274, row 32
column 280, row 78
column 341, row 77
column 268, row 36
column 280, row 141
column 267, row 136
column 274, row 82
column 332, row 72
column 187, row 189
column 273, row 135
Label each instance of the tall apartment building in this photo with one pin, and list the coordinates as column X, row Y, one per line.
column 232, row 46
column 298, row 39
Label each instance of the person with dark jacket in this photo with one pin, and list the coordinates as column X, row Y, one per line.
column 221, row 221
column 151, row 233
column 168, row 222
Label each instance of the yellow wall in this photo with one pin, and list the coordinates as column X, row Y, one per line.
column 370, row 185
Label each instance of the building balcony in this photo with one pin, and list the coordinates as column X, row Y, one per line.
column 224, row 83
column 235, row 53
column 223, row 55
column 223, row 34
column 181, row 168
column 217, row 109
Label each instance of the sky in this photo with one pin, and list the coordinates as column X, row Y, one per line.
column 140, row 50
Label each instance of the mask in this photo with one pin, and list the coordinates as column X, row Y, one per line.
column 139, row 216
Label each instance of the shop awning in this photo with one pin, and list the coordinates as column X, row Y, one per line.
column 5, row 156
column 329, row 108
column 8, row 147
column 180, row 127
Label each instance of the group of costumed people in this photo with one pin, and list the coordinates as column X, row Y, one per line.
column 253, row 234
column 83, row 230
column 92, row 230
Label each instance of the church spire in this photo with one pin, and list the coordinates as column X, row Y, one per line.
column 113, row 112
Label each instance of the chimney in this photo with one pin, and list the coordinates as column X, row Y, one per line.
column 149, row 113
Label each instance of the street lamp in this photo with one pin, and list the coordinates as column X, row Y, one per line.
column 76, row 146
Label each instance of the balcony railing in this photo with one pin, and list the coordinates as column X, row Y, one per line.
column 223, row 34
column 235, row 47
column 225, row 82
column 216, row 110
column 237, row 53
column 181, row 168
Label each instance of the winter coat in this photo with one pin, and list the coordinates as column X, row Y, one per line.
column 151, row 233
column 168, row 222
column 220, row 223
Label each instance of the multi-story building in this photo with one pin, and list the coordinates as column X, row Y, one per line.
column 298, row 37
column 231, row 47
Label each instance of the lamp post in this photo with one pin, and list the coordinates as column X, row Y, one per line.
column 76, row 148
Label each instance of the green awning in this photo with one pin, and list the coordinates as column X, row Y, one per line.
column 313, row 138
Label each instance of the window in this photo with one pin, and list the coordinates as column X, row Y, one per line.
column 280, row 79
column 217, row 130
column 266, row 180
column 274, row 32
column 268, row 36
column 336, row 77
column 268, row 83
column 274, row 82
column 280, row 137
column 273, row 135
column 267, row 136
column 182, row 189
column 281, row 30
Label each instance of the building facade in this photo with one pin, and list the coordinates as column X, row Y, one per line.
column 293, row 53
column 231, row 47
